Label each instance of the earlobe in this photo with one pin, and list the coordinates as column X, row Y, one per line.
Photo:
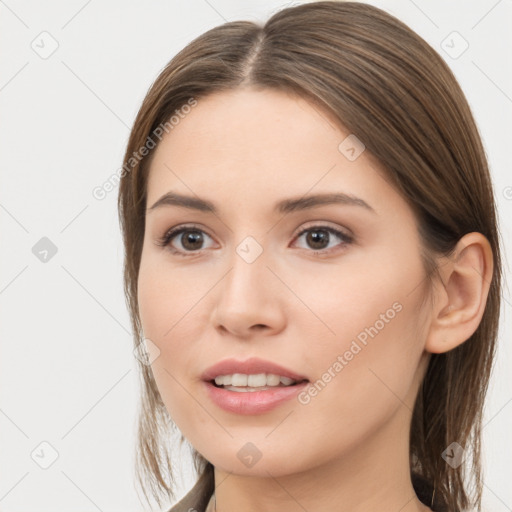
column 461, row 297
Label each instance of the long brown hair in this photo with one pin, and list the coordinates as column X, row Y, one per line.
column 387, row 86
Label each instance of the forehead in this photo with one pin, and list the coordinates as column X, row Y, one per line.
column 247, row 145
column 249, row 122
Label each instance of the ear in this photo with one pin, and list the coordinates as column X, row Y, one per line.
column 461, row 297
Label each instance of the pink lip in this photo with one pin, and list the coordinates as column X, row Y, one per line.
column 249, row 366
column 250, row 402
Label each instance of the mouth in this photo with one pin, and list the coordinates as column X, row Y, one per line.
column 254, row 386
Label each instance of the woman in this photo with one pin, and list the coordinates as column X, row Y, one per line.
column 313, row 264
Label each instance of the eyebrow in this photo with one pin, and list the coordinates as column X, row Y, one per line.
column 283, row 206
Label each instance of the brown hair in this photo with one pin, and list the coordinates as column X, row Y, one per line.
column 387, row 86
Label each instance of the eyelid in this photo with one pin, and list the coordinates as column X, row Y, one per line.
column 324, row 224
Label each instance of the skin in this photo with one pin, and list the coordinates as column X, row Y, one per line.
column 297, row 305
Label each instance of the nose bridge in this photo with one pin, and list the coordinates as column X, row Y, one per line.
column 248, row 274
column 246, row 296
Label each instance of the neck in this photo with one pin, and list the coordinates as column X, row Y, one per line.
column 373, row 475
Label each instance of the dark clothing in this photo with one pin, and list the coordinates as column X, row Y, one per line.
column 198, row 497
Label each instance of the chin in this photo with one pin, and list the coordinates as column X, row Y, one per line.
column 250, row 461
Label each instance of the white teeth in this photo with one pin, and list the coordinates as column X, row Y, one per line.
column 224, row 380
column 253, row 380
column 273, row 380
column 239, row 379
column 256, row 381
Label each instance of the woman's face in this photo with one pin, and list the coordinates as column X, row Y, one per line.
column 252, row 280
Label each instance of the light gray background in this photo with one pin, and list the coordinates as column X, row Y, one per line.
column 67, row 373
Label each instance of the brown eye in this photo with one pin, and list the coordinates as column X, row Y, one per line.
column 319, row 237
column 191, row 240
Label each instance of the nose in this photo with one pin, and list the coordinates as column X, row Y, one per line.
column 249, row 300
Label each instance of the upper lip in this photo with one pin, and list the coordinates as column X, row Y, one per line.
column 250, row 366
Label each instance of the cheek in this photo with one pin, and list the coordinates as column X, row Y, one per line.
column 359, row 385
column 366, row 358
column 361, row 298
column 168, row 309
column 165, row 296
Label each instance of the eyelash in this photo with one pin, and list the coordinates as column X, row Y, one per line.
column 172, row 233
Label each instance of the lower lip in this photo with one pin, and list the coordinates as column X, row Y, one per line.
column 252, row 402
